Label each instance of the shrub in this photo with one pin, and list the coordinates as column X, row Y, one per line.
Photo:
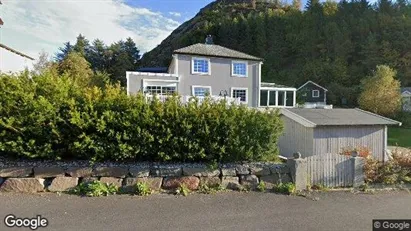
column 362, row 151
column 143, row 189
column 390, row 172
column 95, row 189
column 285, row 188
column 53, row 116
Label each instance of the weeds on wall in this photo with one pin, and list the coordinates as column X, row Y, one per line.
column 182, row 190
column 143, row 189
column 285, row 188
column 95, row 189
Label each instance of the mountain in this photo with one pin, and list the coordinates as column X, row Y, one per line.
column 334, row 44
column 195, row 30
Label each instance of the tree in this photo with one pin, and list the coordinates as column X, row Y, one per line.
column 381, row 92
column 64, row 51
column 77, row 67
column 82, row 46
column 43, row 63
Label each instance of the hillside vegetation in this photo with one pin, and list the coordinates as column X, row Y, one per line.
column 334, row 44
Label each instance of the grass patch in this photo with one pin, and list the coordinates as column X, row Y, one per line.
column 399, row 137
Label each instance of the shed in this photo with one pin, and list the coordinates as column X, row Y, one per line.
column 312, row 93
column 319, row 131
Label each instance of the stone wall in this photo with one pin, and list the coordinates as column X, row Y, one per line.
column 31, row 178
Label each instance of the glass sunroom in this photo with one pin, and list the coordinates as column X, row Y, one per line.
column 275, row 95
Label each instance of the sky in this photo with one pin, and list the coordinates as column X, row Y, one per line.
column 32, row 26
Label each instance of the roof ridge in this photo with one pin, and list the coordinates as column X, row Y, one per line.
column 299, row 117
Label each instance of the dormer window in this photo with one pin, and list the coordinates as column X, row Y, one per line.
column 239, row 69
column 201, row 66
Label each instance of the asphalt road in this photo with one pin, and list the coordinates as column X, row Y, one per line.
column 225, row 211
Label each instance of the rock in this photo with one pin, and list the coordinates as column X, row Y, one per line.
column 260, row 171
column 191, row 182
column 139, row 172
column 279, row 168
column 112, row 180
column 88, row 179
column 61, row 184
column 16, row 172
column 210, row 181
column 271, row 180
column 228, row 172
column 26, row 185
column 250, row 181
column 46, row 172
column 230, row 182
column 166, row 172
column 242, row 170
column 153, row 182
column 110, row 172
column 1, row 181
column 79, row 171
column 200, row 172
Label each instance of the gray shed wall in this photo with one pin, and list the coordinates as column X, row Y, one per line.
column 296, row 138
column 332, row 139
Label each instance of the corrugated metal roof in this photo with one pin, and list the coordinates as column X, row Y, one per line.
column 329, row 117
column 214, row 51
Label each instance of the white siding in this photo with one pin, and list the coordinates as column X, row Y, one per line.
column 332, row 139
column 296, row 138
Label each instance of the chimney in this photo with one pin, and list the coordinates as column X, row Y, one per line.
column 209, row 40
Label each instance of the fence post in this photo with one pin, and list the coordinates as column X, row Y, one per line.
column 358, row 169
column 298, row 169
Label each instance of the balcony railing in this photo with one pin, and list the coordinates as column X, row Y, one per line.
column 185, row 99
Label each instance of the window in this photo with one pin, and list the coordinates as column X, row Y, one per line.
column 201, row 66
column 240, row 93
column 160, row 90
column 239, row 69
column 201, row 91
column 316, row 93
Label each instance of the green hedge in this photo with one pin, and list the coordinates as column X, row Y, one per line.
column 51, row 117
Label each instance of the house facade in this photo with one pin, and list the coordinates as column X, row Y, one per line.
column 312, row 94
column 406, row 99
column 208, row 69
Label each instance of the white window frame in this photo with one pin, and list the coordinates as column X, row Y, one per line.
column 200, row 73
column 199, row 86
column 240, row 88
column 160, row 83
column 239, row 62
column 316, row 95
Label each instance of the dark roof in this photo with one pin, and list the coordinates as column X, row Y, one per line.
column 313, row 84
column 214, row 51
column 329, row 117
column 404, row 89
column 153, row 69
